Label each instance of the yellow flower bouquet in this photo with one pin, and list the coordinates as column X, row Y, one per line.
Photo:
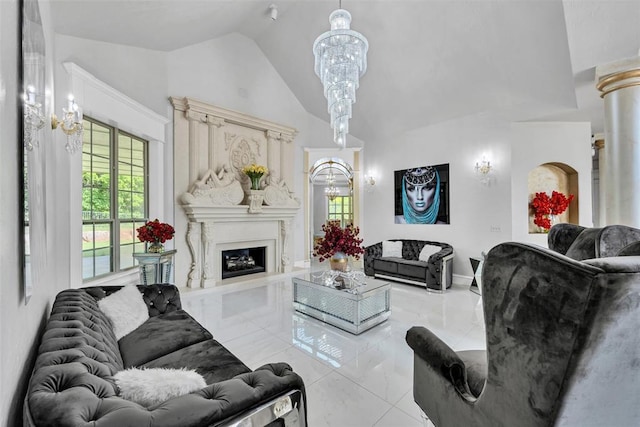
column 255, row 172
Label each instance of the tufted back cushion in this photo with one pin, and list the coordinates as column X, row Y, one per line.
column 160, row 298
column 411, row 248
column 76, row 359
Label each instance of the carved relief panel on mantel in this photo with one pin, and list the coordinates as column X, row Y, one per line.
column 211, row 147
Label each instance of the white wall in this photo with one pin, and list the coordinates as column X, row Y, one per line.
column 20, row 324
column 536, row 143
column 481, row 216
column 475, row 208
column 139, row 73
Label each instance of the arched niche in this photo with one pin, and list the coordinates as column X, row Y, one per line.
column 548, row 177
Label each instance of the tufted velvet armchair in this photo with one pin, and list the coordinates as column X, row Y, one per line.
column 562, row 346
column 582, row 243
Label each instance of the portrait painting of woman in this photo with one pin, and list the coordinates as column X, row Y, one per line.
column 422, row 195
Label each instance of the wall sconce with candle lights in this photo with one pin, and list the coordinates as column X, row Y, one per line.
column 71, row 125
column 483, row 170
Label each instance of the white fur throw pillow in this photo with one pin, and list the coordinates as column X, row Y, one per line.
column 427, row 251
column 391, row 249
column 126, row 309
column 148, row 387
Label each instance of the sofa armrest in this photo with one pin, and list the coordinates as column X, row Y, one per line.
column 445, row 252
column 439, row 268
column 437, row 354
column 213, row 405
column 160, row 298
column 371, row 253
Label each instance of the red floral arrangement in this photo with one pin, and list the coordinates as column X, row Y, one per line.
column 155, row 231
column 543, row 206
column 338, row 239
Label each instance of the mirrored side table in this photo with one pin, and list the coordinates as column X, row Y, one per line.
column 155, row 268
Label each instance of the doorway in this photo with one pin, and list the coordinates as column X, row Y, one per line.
column 319, row 165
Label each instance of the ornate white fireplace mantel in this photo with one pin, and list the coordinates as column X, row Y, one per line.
column 216, row 209
column 212, row 230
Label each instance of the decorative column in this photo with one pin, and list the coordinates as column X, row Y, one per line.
column 209, row 269
column 273, row 154
column 619, row 83
column 602, row 171
column 286, row 158
column 195, row 119
column 193, row 241
column 285, row 229
column 214, row 123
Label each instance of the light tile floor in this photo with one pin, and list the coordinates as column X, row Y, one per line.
column 352, row 380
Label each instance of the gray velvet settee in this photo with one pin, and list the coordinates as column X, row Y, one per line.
column 562, row 342
column 72, row 382
column 435, row 274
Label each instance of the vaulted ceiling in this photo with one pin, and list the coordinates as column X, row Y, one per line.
column 429, row 61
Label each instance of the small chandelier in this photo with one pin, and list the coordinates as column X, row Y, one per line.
column 331, row 192
column 341, row 59
column 71, row 125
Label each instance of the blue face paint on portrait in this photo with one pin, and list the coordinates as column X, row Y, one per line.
column 421, row 195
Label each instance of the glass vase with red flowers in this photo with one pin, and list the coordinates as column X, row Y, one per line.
column 338, row 244
column 156, row 233
column 546, row 208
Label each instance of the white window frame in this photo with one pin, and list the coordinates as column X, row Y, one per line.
column 104, row 103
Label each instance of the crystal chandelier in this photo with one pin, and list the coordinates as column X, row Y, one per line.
column 331, row 191
column 341, row 59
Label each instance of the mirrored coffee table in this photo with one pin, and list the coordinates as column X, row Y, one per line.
column 349, row 301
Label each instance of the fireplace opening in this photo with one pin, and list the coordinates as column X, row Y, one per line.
column 239, row 262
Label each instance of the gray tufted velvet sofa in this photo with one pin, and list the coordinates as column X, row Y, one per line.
column 562, row 341
column 72, row 382
column 436, row 274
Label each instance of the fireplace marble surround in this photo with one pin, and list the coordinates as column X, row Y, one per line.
column 216, row 209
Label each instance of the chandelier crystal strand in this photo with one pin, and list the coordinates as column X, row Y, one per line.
column 340, row 61
column 33, row 118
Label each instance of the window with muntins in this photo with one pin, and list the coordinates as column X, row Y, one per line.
column 340, row 209
column 114, row 198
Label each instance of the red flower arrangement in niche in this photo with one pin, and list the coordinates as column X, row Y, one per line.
column 544, row 205
column 338, row 239
column 155, row 232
